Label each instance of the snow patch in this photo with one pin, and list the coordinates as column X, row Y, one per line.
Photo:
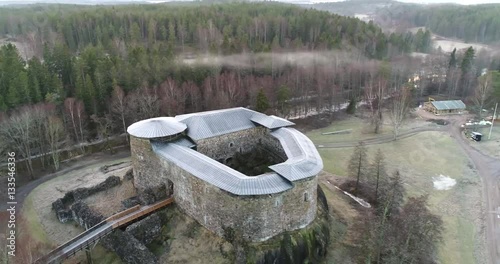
column 443, row 182
column 357, row 199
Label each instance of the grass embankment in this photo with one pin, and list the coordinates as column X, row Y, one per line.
column 419, row 158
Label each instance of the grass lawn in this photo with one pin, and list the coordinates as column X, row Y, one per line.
column 33, row 222
column 360, row 130
column 489, row 146
column 419, row 158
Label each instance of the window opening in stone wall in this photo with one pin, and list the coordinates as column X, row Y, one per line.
column 306, row 197
column 231, row 144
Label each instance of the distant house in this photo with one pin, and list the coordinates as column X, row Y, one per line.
column 445, row 107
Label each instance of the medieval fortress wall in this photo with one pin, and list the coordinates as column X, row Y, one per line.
column 252, row 217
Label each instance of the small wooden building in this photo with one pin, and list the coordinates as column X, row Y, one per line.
column 445, row 107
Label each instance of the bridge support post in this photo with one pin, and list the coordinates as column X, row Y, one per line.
column 89, row 256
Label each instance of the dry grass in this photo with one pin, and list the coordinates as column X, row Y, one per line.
column 108, row 202
column 344, row 215
column 418, row 158
column 490, row 146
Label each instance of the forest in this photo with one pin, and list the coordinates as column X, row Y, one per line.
column 474, row 23
column 97, row 69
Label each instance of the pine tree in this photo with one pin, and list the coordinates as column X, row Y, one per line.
column 34, row 88
column 453, row 59
column 283, row 96
column 90, row 95
column 3, row 106
column 358, row 164
column 377, row 171
column 262, row 103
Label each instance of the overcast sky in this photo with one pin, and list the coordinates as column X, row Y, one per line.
column 463, row 2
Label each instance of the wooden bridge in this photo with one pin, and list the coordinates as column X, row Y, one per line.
column 94, row 234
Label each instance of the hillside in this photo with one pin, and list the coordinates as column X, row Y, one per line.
column 475, row 23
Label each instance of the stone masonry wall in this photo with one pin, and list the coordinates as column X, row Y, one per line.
column 225, row 146
column 256, row 218
column 147, row 172
column 273, row 145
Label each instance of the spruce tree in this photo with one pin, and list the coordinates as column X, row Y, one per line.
column 377, row 171
column 358, row 164
column 262, row 102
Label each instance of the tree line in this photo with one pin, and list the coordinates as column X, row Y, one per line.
column 220, row 28
column 96, row 96
column 478, row 23
column 96, row 84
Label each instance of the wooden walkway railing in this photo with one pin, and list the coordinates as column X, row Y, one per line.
column 90, row 236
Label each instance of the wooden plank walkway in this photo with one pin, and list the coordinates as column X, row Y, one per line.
column 95, row 233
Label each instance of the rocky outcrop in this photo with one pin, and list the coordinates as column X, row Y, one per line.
column 128, row 248
column 61, row 205
column 63, row 214
column 124, row 244
column 131, row 202
column 146, row 230
column 82, row 193
column 129, row 175
column 153, row 195
column 84, row 216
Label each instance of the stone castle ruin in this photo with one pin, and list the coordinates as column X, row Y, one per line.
column 232, row 169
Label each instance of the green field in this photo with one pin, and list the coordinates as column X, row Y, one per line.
column 419, row 158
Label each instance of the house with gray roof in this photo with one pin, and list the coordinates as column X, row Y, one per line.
column 229, row 169
column 445, row 107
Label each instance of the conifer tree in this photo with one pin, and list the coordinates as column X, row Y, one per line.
column 377, row 171
column 358, row 164
column 262, row 103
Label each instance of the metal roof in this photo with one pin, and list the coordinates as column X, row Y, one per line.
column 303, row 158
column 448, row 105
column 303, row 161
column 214, row 123
column 271, row 121
column 219, row 174
column 156, row 127
column 184, row 142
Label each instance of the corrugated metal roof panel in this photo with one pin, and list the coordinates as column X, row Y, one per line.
column 214, row 123
column 156, row 127
column 303, row 161
column 184, row 142
column 449, row 105
column 271, row 121
column 219, row 174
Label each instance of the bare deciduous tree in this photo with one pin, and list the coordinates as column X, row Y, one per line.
column 119, row 106
column 75, row 112
column 54, row 134
column 399, row 107
column 482, row 93
column 143, row 104
column 19, row 132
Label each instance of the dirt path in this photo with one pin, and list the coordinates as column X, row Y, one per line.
column 382, row 139
column 23, row 191
column 489, row 170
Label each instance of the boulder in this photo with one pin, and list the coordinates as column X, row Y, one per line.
column 128, row 248
column 84, row 215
